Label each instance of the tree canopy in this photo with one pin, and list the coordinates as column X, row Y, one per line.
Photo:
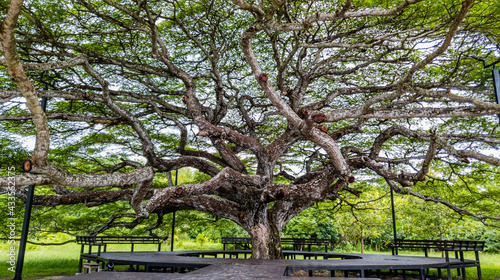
column 280, row 104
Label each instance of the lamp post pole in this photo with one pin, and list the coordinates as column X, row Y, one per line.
column 394, row 222
column 173, row 218
column 24, row 234
column 496, row 84
column 395, row 248
column 494, row 74
column 27, row 214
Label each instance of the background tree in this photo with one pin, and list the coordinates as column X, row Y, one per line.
column 280, row 103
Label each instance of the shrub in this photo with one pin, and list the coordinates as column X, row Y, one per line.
column 201, row 239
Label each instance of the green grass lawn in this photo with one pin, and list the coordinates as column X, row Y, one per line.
column 44, row 260
column 63, row 260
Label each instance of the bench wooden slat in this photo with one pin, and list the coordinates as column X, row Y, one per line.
column 442, row 245
column 90, row 240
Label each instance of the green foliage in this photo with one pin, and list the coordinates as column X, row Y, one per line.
column 193, row 223
column 369, row 217
column 12, row 155
column 491, row 238
column 201, row 239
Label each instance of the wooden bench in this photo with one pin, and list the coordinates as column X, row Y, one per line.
column 242, row 242
column 441, row 245
column 457, row 246
column 298, row 243
column 103, row 241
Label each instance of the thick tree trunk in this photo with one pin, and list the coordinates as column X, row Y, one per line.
column 266, row 235
column 266, row 241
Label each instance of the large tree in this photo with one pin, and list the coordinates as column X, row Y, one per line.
column 281, row 103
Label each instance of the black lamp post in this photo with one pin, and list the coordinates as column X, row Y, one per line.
column 395, row 252
column 496, row 84
column 173, row 218
column 29, row 203
column 496, row 77
column 27, row 213
column 24, row 233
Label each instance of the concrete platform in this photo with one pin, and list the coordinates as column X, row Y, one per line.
column 233, row 268
column 216, row 272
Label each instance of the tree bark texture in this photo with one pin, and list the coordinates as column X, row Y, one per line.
column 275, row 105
